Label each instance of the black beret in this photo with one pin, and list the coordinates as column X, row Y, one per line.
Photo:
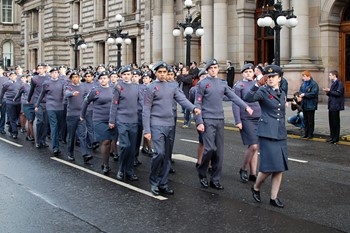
column 53, row 69
column 113, row 72
column 103, row 73
column 272, row 70
column 73, row 72
column 247, row 66
column 260, row 68
column 170, row 69
column 127, row 68
column 88, row 72
column 147, row 73
column 202, row 72
column 12, row 72
column 100, row 65
column 160, row 64
column 136, row 72
column 41, row 64
column 211, row 62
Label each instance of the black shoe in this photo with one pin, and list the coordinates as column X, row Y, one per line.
column 114, row 155
column 256, row 194
column 334, row 142
column 276, row 203
column 29, row 138
column 197, row 165
column 243, row 175
column 144, row 150
column 310, row 137
column 329, row 140
column 105, row 169
column 95, row 145
column 166, row 191
column 56, row 152
column 155, row 190
column 216, row 185
column 151, row 152
column 172, row 161
column 305, row 136
column 252, row 178
column 172, row 170
column 44, row 145
column 204, row 182
column 38, row 146
column 64, row 142
column 2, row 132
column 89, row 146
column 87, row 158
column 14, row 136
column 70, row 158
column 132, row 177
column 120, row 176
column 23, row 130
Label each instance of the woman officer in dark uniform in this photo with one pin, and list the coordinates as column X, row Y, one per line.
column 271, row 132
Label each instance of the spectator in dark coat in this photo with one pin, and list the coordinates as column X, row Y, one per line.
column 335, row 104
column 230, row 71
column 308, row 95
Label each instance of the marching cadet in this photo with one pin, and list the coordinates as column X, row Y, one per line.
column 90, row 137
column 158, row 123
column 124, row 116
column 113, row 76
column 136, row 77
column 75, row 94
column 36, row 86
column 53, row 90
column 201, row 75
column 209, row 96
column 3, row 79
column 171, row 79
column 28, row 109
column 146, row 79
column 13, row 108
column 247, row 124
column 271, row 132
column 114, row 79
column 101, row 96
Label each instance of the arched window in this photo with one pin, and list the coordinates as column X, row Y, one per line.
column 7, row 11
column 7, row 53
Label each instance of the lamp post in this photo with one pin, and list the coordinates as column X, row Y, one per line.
column 118, row 37
column 275, row 19
column 77, row 42
column 188, row 27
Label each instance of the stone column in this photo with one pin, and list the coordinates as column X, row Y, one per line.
column 220, row 31
column 300, row 34
column 207, row 24
column 41, row 33
column 168, row 40
column 147, row 34
column 285, row 40
column 157, row 32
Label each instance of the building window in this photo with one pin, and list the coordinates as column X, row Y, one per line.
column 100, row 10
column 7, row 11
column 76, row 13
column 101, row 52
column 8, row 54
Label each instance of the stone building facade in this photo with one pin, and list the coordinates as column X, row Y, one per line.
column 10, row 37
column 319, row 43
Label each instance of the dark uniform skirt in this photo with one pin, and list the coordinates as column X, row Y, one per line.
column 248, row 132
column 103, row 132
column 273, row 155
column 28, row 110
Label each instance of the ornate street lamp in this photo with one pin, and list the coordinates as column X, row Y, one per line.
column 78, row 43
column 276, row 19
column 188, row 27
column 118, row 37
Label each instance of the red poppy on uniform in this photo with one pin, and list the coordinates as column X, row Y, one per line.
column 242, row 85
column 156, row 88
column 122, row 89
column 207, row 86
column 199, row 98
column 97, row 92
column 115, row 101
column 271, row 97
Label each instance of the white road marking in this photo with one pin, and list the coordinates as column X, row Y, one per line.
column 298, row 160
column 10, row 142
column 186, row 140
column 161, row 198
column 184, row 158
